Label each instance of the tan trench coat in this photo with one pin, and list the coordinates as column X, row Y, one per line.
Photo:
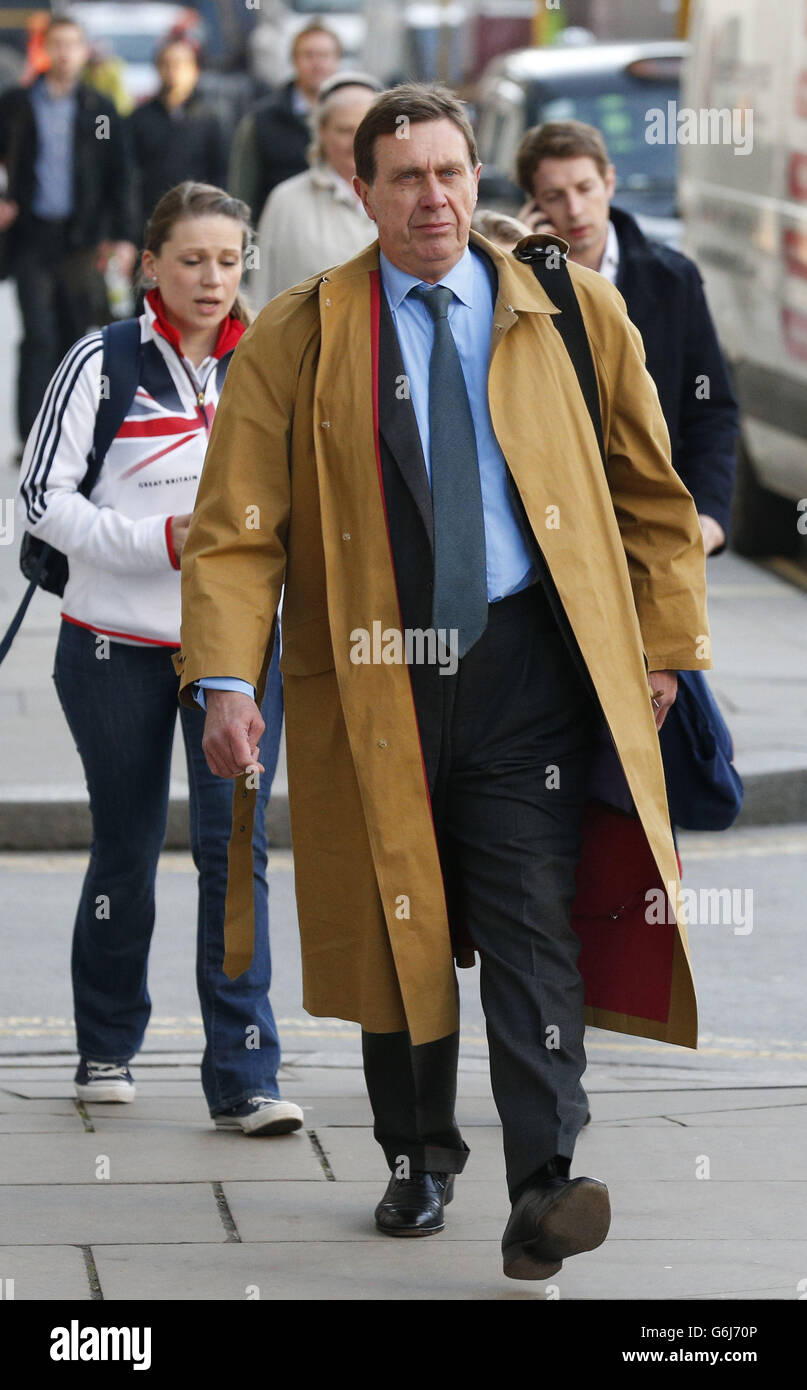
column 290, row 493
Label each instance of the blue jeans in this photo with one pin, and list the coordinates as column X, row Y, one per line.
column 122, row 712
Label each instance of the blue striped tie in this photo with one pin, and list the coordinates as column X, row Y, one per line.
column 460, row 578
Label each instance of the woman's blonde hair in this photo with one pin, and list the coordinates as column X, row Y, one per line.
column 188, row 200
column 498, row 226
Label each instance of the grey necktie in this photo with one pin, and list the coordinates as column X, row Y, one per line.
column 460, row 580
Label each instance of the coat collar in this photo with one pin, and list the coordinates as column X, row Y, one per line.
column 322, row 176
column 519, row 291
column 640, row 267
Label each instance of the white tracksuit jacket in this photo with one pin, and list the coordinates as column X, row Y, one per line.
column 124, row 578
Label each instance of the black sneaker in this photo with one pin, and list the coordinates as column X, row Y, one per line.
column 261, row 1115
column 104, row 1081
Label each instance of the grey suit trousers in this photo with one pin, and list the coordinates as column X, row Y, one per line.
column 517, row 738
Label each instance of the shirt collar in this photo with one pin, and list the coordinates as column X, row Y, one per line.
column 609, row 265
column 397, row 283
column 40, row 88
column 300, row 104
column 230, row 329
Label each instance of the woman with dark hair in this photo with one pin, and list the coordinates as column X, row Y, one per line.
column 113, row 670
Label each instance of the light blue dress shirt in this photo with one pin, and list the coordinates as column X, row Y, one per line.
column 220, row 683
column 470, row 316
column 53, row 170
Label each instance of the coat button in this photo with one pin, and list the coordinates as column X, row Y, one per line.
column 327, row 303
column 382, row 743
column 345, row 535
column 325, row 425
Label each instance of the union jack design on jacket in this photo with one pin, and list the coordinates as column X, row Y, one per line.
column 124, row 577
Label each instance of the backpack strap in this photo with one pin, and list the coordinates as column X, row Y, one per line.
column 548, row 262
column 120, row 374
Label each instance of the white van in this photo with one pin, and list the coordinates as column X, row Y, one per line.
column 745, row 223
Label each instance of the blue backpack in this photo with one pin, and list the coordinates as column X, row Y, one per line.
column 43, row 565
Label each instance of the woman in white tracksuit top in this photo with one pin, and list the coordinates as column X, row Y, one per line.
column 113, row 670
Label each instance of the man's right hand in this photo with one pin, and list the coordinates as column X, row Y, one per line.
column 532, row 215
column 8, row 213
column 233, row 729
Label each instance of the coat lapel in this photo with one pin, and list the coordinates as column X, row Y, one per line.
column 397, row 422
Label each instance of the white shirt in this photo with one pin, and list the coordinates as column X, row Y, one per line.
column 609, row 265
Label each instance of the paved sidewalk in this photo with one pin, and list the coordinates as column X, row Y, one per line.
column 708, row 1189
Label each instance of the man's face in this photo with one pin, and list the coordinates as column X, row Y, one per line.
column 68, row 52
column 422, row 197
column 575, row 198
column 315, row 58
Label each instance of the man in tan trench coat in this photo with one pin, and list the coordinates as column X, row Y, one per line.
column 440, row 787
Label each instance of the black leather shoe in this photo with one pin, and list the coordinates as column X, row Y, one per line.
column 413, row 1206
column 551, row 1220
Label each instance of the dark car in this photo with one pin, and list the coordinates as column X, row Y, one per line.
column 612, row 86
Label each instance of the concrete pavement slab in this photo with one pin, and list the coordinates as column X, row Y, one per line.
column 419, row 1269
column 792, row 1118
column 681, row 1104
column 64, row 1089
column 762, row 1210
column 43, row 1275
column 739, row 1154
column 159, row 1110
column 670, row 1153
column 11, row 1103
column 65, row 1214
column 301, row 1084
column 438, row 1269
column 17, row 1122
column 44, row 1090
column 343, row 1211
column 171, row 1156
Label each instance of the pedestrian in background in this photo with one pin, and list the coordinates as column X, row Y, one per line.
column 66, row 209
column 505, row 232
column 271, row 142
column 106, row 73
column 564, row 169
column 113, row 670
column 177, row 135
column 316, row 219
